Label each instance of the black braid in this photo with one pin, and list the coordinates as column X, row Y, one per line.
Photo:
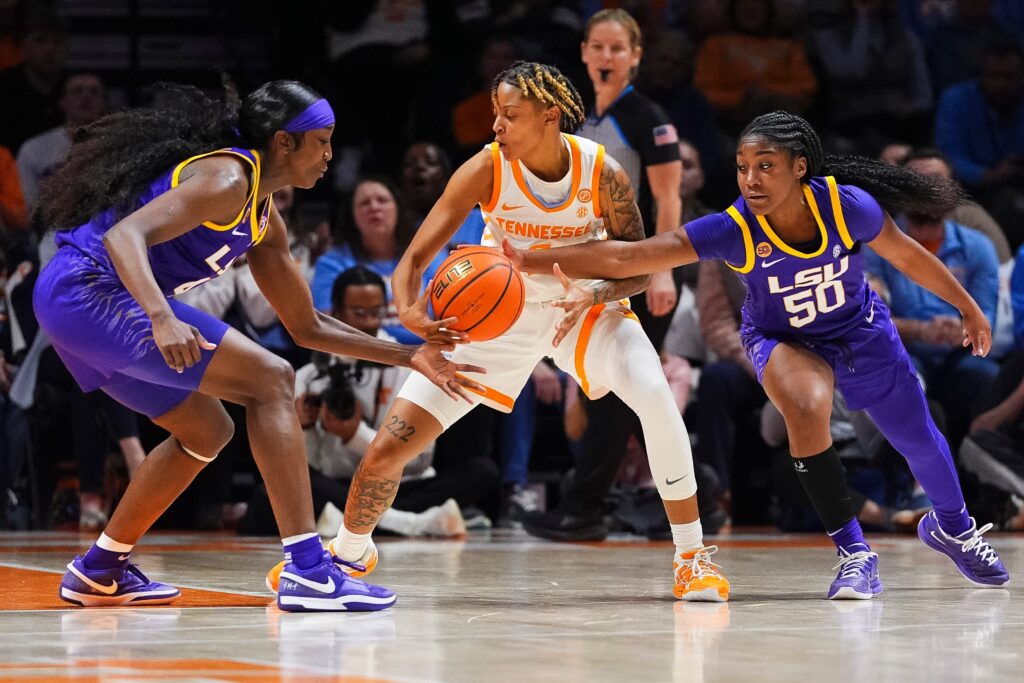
column 547, row 85
column 895, row 188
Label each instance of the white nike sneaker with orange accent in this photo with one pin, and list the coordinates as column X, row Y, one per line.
column 698, row 579
column 366, row 564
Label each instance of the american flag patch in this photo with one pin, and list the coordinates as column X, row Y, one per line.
column 665, row 135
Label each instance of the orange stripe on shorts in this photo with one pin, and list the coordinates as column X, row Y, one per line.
column 581, row 345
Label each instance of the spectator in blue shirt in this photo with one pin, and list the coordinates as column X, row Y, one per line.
column 373, row 230
column 979, row 125
column 931, row 329
column 1017, row 298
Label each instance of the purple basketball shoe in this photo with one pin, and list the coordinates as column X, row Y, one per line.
column 326, row 588
column 122, row 585
column 971, row 553
column 858, row 575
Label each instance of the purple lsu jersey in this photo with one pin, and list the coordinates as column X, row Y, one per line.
column 194, row 257
column 815, row 295
column 101, row 332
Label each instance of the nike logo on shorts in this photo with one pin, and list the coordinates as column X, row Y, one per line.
column 871, row 312
column 669, row 483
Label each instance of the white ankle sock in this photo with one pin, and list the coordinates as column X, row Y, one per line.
column 351, row 546
column 687, row 537
column 107, row 543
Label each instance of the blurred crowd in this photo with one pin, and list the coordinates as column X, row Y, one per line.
column 934, row 85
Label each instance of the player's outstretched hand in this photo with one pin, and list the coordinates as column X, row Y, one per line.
column 977, row 331
column 429, row 362
column 179, row 342
column 418, row 321
column 575, row 302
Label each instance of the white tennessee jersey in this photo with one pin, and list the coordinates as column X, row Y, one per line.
column 514, row 212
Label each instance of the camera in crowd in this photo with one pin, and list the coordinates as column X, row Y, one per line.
column 339, row 396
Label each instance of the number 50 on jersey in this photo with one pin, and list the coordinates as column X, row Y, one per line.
column 821, row 283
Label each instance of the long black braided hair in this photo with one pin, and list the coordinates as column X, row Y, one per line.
column 894, row 187
column 114, row 159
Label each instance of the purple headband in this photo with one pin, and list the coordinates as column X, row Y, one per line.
column 317, row 115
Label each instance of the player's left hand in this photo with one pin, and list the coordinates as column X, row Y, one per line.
column 661, row 294
column 575, row 302
column 977, row 331
column 429, row 362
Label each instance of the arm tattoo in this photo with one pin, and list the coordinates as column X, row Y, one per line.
column 369, row 497
column 622, row 221
column 622, row 218
column 616, row 290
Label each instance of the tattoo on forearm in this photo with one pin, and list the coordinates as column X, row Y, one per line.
column 622, row 218
column 399, row 428
column 369, row 497
column 614, row 290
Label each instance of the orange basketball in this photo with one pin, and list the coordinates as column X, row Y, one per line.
column 481, row 288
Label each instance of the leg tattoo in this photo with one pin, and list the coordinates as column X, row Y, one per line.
column 369, row 497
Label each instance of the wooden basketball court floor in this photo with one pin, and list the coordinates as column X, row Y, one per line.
column 505, row 607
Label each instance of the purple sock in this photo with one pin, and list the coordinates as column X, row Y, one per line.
column 953, row 523
column 848, row 535
column 304, row 551
column 99, row 558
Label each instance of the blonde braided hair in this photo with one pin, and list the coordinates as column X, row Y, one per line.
column 547, row 85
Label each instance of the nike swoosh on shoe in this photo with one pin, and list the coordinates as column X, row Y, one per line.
column 106, row 590
column 326, row 587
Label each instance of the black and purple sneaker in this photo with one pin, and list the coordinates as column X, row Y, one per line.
column 970, row 552
column 122, row 585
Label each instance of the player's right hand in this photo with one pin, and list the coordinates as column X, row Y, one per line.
column 179, row 342
column 418, row 321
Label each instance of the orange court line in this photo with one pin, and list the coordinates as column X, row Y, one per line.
column 33, row 589
column 75, row 547
column 130, row 669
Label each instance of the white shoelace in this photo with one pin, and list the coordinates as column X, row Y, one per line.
column 695, row 564
column 852, row 563
column 982, row 550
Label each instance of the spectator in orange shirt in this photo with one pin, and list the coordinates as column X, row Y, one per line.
column 473, row 117
column 10, row 52
column 13, row 214
column 752, row 68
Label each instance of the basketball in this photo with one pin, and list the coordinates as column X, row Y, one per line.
column 481, row 288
